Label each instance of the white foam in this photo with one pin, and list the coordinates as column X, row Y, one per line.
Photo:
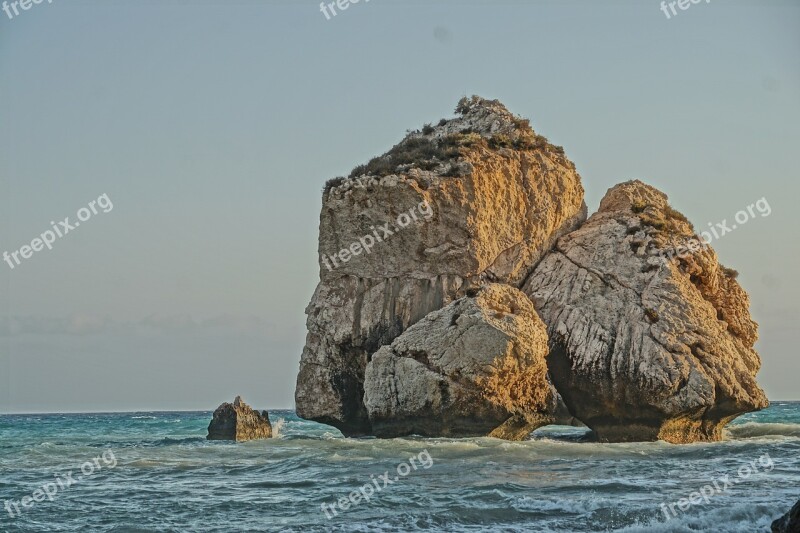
column 763, row 429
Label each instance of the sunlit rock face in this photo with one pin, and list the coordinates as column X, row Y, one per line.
column 474, row 368
column 239, row 422
column 476, row 199
column 645, row 343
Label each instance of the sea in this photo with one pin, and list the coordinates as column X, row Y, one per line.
column 155, row 472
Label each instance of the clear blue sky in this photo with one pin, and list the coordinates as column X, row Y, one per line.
column 212, row 127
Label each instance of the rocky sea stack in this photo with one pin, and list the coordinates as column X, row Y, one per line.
column 239, row 422
column 464, row 293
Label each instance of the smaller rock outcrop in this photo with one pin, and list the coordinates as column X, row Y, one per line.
column 238, row 421
column 788, row 523
column 646, row 344
column 474, row 368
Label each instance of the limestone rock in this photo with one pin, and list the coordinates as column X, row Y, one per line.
column 238, row 421
column 475, row 199
column 788, row 523
column 482, row 194
column 646, row 344
column 474, row 368
column 348, row 321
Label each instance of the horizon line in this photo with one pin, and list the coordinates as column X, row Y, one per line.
column 131, row 412
column 212, row 410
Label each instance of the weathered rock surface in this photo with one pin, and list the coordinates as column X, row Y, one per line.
column 645, row 345
column 479, row 198
column 238, row 421
column 475, row 368
column 788, row 523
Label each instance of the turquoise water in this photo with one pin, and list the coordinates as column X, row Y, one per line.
column 160, row 474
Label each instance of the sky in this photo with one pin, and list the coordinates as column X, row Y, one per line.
column 211, row 128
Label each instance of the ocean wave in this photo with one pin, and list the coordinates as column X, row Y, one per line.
column 166, row 441
column 581, row 506
column 277, row 428
column 170, row 478
column 306, row 484
column 145, row 463
column 763, row 429
column 739, row 518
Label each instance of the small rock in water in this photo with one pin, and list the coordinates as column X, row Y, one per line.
column 788, row 523
column 239, row 422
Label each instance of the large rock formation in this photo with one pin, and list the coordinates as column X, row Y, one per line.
column 475, row 199
column 788, row 523
column 238, row 421
column 649, row 337
column 645, row 343
column 476, row 367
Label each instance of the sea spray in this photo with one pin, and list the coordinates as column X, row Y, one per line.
column 277, row 428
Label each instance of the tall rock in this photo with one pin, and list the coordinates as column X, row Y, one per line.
column 474, row 368
column 650, row 337
column 475, row 199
